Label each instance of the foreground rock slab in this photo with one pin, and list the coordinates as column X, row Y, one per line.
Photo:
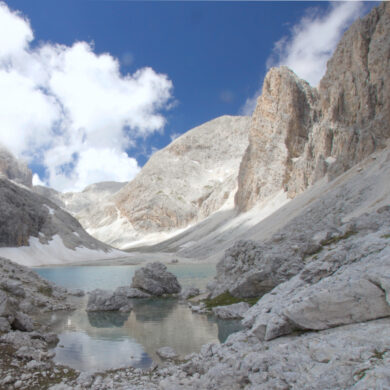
column 156, row 280
column 237, row 310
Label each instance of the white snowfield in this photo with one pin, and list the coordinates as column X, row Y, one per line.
column 55, row 253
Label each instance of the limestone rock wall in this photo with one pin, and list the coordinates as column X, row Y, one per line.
column 189, row 179
column 299, row 134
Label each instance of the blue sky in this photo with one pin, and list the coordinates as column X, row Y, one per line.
column 214, row 55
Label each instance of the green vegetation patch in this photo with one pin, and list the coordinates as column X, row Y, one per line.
column 45, row 290
column 379, row 354
column 334, row 240
column 386, row 236
column 227, row 299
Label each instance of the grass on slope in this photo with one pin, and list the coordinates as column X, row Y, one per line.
column 228, row 299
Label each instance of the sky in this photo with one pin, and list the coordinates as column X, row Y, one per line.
column 90, row 89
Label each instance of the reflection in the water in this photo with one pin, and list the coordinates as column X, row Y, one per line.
column 107, row 319
column 153, row 310
column 226, row 328
column 86, row 353
column 102, row 340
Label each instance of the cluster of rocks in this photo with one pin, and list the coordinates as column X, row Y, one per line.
column 25, row 344
column 24, row 294
column 153, row 280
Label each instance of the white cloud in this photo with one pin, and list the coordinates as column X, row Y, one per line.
column 310, row 44
column 250, row 104
column 72, row 110
column 313, row 40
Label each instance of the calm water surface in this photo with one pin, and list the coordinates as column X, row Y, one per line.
column 104, row 340
column 110, row 277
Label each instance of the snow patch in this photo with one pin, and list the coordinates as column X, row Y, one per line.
column 55, row 252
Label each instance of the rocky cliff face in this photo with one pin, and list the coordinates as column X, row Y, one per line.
column 30, row 222
column 188, row 180
column 299, row 134
column 181, row 184
column 13, row 169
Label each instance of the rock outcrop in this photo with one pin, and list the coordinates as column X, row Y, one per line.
column 14, row 169
column 237, row 310
column 104, row 300
column 328, row 220
column 28, row 220
column 182, row 184
column 300, row 134
column 23, row 293
column 155, row 280
column 346, row 281
column 117, row 300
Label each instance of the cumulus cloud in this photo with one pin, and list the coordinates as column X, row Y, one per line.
column 310, row 44
column 313, row 40
column 71, row 110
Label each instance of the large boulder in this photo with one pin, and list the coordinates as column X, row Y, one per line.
column 130, row 292
column 155, row 280
column 346, row 283
column 104, row 300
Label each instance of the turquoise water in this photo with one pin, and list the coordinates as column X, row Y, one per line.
column 110, row 277
column 108, row 340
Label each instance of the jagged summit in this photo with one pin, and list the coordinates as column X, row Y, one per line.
column 300, row 134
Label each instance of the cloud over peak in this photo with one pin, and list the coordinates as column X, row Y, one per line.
column 310, row 43
column 313, row 39
column 71, row 110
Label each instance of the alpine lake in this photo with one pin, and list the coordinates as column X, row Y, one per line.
column 96, row 341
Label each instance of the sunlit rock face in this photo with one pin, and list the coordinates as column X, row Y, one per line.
column 299, row 134
column 189, row 179
column 180, row 185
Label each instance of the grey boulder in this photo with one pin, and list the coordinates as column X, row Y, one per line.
column 237, row 310
column 189, row 292
column 130, row 292
column 104, row 300
column 155, row 280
